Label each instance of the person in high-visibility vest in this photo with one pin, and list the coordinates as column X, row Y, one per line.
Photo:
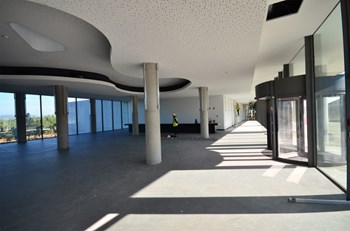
column 175, row 125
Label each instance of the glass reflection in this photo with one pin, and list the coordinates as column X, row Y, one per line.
column 297, row 65
column 330, row 98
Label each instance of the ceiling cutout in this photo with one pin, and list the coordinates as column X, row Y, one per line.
column 284, row 8
column 37, row 41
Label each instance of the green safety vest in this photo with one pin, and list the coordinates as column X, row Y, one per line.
column 175, row 122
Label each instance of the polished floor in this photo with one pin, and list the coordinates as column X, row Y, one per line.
column 228, row 182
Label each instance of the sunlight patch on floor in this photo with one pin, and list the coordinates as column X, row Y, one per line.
column 104, row 220
column 221, row 183
column 297, row 174
column 229, row 222
column 274, row 169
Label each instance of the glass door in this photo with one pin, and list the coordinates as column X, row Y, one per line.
column 292, row 129
column 331, row 136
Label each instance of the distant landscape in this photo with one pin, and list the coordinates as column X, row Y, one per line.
column 8, row 128
column 7, row 116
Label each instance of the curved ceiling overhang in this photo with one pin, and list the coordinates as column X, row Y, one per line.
column 165, row 85
column 36, row 32
column 44, row 85
column 212, row 43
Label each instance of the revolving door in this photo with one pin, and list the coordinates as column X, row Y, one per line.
column 292, row 129
column 286, row 117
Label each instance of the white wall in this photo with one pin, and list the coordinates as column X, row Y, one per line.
column 242, row 113
column 228, row 112
column 187, row 110
column 221, row 109
column 216, row 110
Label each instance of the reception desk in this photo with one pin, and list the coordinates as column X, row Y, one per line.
column 183, row 128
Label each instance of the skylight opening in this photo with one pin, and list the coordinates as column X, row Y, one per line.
column 36, row 40
column 284, row 8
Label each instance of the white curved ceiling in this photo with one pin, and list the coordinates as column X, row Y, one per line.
column 224, row 45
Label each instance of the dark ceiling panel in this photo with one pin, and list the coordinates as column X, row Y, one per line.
column 283, row 8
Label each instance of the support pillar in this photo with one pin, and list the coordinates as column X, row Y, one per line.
column 93, row 115
column 152, row 116
column 21, row 117
column 135, row 116
column 204, row 104
column 61, row 98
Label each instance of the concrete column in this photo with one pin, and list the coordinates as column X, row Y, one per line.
column 152, row 116
column 21, row 117
column 204, row 104
column 61, row 98
column 93, row 115
column 135, row 116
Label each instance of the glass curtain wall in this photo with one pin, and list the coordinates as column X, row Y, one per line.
column 99, row 122
column 48, row 116
column 84, row 116
column 33, row 117
column 8, row 127
column 72, row 116
column 107, row 115
column 117, row 118
column 297, row 65
column 125, row 114
column 41, row 118
column 330, row 98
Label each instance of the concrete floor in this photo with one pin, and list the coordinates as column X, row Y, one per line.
column 102, row 183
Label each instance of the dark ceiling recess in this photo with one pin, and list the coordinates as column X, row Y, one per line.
column 283, row 8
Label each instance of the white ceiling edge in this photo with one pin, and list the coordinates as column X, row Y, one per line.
column 76, row 87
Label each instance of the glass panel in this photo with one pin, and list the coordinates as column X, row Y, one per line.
column 98, row 116
column 291, row 130
column 84, row 119
column 305, row 125
column 117, row 115
column 33, row 117
column 330, row 98
column 49, row 117
column 125, row 110
column 72, row 119
column 297, row 65
column 8, row 127
column 107, row 115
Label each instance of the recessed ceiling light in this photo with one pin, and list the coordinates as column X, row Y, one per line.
column 4, row 36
